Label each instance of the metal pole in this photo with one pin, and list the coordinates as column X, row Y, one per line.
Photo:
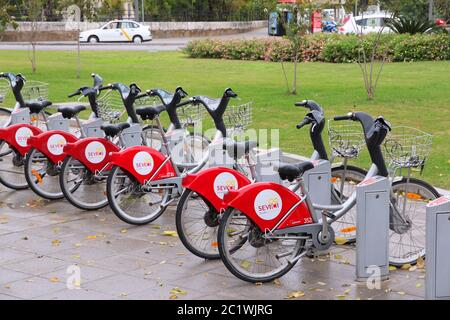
column 430, row 9
column 142, row 11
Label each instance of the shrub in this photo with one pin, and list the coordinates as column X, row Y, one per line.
column 327, row 48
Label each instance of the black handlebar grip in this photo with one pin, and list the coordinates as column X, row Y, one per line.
column 74, row 94
column 303, row 123
column 303, row 103
column 341, row 118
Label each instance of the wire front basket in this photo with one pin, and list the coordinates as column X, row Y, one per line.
column 346, row 139
column 238, row 118
column 191, row 114
column 407, row 147
column 3, row 92
column 35, row 90
column 109, row 106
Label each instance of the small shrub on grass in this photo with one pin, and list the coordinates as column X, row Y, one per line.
column 327, row 48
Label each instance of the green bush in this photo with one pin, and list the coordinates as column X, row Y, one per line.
column 327, row 48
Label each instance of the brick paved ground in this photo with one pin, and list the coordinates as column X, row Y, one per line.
column 39, row 240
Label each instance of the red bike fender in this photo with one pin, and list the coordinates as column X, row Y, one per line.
column 51, row 144
column 93, row 153
column 213, row 183
column 144, row 163
column 17, row 136
column 266, row 203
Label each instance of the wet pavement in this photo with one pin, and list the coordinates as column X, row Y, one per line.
column 44, row 246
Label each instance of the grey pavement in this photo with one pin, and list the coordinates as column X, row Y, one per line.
column 165, row 44
column 42, row 245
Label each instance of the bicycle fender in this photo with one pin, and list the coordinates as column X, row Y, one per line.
column 214, row 183
column 17, row 136
column 51, row 144
column 266, row 204
column 93, row 153
column 144, row 163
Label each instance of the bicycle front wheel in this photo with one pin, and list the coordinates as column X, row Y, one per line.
column 249, row 254
column 132, row 202
column 409, row 198
column 42, row 175
column 344, row 182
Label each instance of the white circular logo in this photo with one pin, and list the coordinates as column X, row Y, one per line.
column 22, row 135
column 224, row 182
column 268, row 204
column 95, row 152
column 143, row 163
column 55, row 144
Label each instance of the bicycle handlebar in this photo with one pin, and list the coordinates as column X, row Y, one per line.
column 303, row 123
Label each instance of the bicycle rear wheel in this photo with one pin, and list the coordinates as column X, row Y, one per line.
column 407, row 220
column 12, row 168
column 132, row 202
column 81, row 187
column 258, row 259
column 197, row 223
column 42, row 175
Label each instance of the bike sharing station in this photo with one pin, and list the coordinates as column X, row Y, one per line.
column 314, row 209
column 437, row 249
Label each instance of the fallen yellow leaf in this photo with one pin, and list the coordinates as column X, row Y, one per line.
column 295, row 295
column 54, row 279
column 340, row 240
column 170, row 233
column 246, row 264
column 341, row 297
column 177, row 290
column 406, row 266
column 56, row 243
column 392, row 268
column 420, row 263
column 91, row 237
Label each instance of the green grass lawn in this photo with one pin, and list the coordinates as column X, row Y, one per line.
column 409, row 94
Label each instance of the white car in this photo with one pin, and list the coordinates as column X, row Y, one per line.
column 366, row 24
column 118, row 31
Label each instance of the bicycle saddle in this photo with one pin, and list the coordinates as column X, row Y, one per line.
column 293, row 171
column 149, row 113
column 71, row 111
column 111, row 130
column 236, row 149
column 37, row 106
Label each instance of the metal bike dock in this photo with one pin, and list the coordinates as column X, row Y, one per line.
column 437, row 283
column 372, row 228
column 318, row 182
column 266, row 161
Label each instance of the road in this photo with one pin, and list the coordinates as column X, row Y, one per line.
column 168, row 44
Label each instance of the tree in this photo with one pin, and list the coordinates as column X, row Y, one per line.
column 34, row 12
column 5, row 15
column 295, row 33
column 88, row 8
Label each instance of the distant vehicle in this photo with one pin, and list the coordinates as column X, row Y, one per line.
column 366, row 24
column 118, row 31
